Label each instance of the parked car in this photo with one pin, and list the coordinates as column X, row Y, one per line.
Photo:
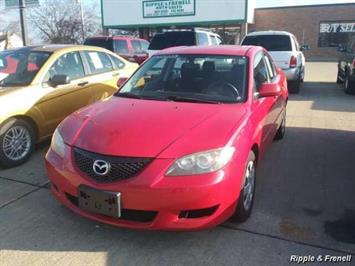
column 183, row 37
column 286, row 52
column 177, row 147
column 41, row 85
column 131, row 48
column 346, row 66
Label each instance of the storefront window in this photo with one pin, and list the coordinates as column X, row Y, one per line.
column 333, row 34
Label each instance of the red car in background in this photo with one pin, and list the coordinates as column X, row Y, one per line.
column 177, row 147
column 131, row 48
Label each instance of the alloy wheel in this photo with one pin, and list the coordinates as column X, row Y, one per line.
column 16, row 143
column 249, row 183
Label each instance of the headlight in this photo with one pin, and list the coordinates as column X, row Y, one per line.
column 57, row 144
column 202, row 162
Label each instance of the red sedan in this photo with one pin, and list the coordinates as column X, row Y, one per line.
column 177, row 147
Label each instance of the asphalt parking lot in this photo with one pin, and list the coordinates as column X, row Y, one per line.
column 305, row 203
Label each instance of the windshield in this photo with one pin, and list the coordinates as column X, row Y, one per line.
column 270, row 42
column 19, row 67
column 190, row 78
column 170, row 39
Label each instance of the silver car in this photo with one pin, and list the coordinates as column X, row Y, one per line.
column 286, row 52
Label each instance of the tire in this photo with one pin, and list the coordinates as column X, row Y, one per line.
column 339, row 81
column 17, row 142
column 282, row 129
column 294, row 86
column 244, row 206
column 349, row 85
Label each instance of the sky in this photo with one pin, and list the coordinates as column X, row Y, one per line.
column 13, row 15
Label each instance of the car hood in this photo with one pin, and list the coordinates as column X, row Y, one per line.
column 7, row 90
column 147, row 128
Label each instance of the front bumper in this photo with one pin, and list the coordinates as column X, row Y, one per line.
column 151, row 200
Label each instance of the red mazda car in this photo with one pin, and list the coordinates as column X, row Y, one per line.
column 177, row 147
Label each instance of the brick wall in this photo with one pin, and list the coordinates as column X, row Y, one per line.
column 303, row 22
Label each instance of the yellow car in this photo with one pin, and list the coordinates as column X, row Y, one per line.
column 41, row 85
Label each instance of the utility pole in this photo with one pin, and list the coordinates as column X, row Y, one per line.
column 22, row 8
column 80, row 2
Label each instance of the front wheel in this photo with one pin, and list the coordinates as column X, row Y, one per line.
column 282, row 129
column 246, row 196
column 294, row 86
column 17, row 139
column 349, row 85
column 339, row 81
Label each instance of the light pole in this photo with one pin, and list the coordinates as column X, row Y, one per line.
column 80, row 3
column 22, row 8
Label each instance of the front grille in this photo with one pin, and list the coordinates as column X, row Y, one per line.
column 126, row 214
column 121, row 167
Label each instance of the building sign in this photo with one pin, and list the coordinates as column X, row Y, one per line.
column 168, row 8
column 16, row 3
column 332, row 34
column 149, row 13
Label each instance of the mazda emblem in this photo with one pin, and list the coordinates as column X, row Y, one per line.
column 101, row 167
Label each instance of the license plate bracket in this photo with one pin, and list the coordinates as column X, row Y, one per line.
column 99, row 201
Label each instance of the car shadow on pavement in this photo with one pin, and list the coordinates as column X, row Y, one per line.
column 31, row 172
column 325, row 97
column 306, row 188
column 304, row 204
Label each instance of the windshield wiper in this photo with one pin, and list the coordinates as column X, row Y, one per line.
column 135, row 96
column 128, row 95
column 188, row 99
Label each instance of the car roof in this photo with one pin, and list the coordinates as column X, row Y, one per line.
column 269, row 32
column 116, row 37
column 51, row 48
column 209, row 50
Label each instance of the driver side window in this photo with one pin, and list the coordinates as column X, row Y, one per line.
column 260, row 71
column 69, row 64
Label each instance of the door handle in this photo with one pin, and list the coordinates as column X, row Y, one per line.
column 83, row 83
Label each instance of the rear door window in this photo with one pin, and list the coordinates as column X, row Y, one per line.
column 270, row 42
column 214, row 40
column 120, row 46
column 118, row 64
column 98, row 62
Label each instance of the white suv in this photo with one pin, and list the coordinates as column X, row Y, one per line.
column 286, row 52
column 182, row 37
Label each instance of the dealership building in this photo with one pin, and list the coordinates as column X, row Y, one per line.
column 322, row 27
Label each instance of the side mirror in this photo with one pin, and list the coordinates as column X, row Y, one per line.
column 121, row 81
column 341, row 49
column 57, row 80
column 305, row 47
column 269, row 90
